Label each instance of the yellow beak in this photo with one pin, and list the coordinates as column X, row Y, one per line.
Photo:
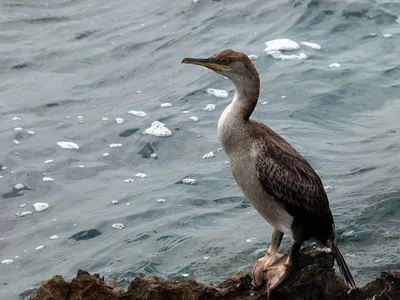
column 209, row 63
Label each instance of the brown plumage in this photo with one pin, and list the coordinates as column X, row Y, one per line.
column 274, row 177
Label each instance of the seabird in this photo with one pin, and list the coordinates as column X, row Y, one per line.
column 280, row 184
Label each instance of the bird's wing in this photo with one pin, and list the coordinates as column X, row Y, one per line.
column 291, row 181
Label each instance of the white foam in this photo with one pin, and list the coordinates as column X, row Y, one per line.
column 209, row 155
column 68, row 145
column 54, row 237
column 104, row 119
column 16, row 142
column 253, row 57
column 189, row 181
column 334, row 65
column 139, row 92
column 18, row 186
column 137, row 113
column 54, row 220
column 185, row 112
column 22, row 205
column 47, row 179
column 40, row 247
column 127, row 204
column 40, row 206
column 48, row 161
column 185, row 274
column 217, row 93
column 119, row 120
column 106, row 154
column 387, row 35
column 281, row 44
column 250, row 240
column 7, row 261
column 349, row 233
column 114, row 202
column 283, row 97
column 161, row 200
column 327, row 187
column 17, row 128
column 312, row 45
column 158, row 129
column 193, row 118
column 206, row 257
column 278, row 55
column 153, row 155
column 81, row 166
column 16, row 118
column 115, row 145
column 166, row 105
column 129, row 180
column 31, row 132
column 264, row 103
column 118, row 226
column 209, row 107
column 23, row 213
column 140, row 175
column 1, row 177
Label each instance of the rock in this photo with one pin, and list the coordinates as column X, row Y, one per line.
column 84, row 286
column 85, row 235
column 128, row 132
column 314, row 279
column 147, row 150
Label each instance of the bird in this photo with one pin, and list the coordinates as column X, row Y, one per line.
column 276, row 179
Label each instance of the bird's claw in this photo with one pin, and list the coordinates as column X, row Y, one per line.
column 277, row 279
column 265, row 267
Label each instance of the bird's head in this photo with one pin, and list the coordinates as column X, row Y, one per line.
column 235, row 65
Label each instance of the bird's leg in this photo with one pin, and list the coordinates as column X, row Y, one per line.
column 275, row 242
column 265, row 263
column 285, row 270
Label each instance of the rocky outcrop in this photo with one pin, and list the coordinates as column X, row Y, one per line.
column 314, row 279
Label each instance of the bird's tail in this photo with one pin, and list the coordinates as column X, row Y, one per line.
column 344, row 269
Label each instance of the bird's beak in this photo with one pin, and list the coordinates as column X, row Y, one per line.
column 209, row 63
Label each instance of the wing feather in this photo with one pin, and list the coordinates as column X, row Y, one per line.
column 289, row 178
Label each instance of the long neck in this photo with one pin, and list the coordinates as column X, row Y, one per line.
column 238, row 111
column 246, row 97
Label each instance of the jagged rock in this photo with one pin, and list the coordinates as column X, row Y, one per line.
column 314, row 279
column 84, row 286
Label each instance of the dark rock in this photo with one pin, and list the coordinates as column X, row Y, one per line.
column 52, row 104
column 15, row 193
column 314, row 279
column 128, row 132
column 85, row 235
column 147, row 150
column 19, row 66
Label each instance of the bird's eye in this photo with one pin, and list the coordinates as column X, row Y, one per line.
column 225, row 61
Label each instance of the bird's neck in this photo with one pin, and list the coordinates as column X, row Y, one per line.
column 239, row 110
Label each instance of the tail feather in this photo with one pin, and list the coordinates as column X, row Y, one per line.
column 344, row 269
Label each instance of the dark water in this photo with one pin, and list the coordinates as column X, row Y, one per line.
column 89, row 59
